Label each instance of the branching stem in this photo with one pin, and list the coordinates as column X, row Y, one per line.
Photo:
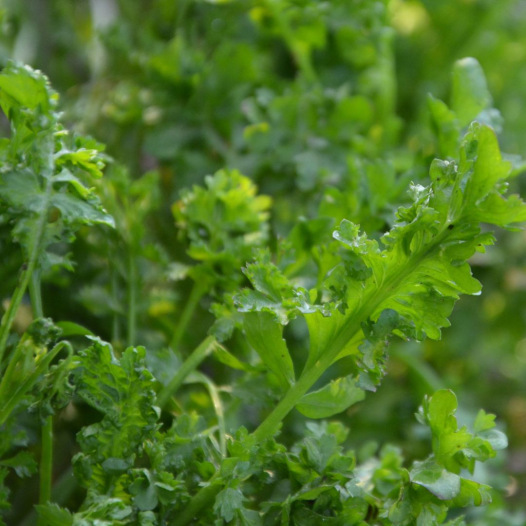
column 132, row 298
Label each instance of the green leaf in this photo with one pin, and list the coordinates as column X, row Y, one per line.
column 227, row 358
column 122, row 390
column 470, row 94
column 488, row 166
column 22, row 86
column 497, row 439
column 228, row 502
column 483, row 421
column 312, row 494
column 65, row 176
column 43, row 212
column 472, row 494
column 51, row 514
column 21, row 189
column 447, row 126
column 322, row 330
column 337, row 396
column 83, row 158
column 501, row 211
column 456, row 448
column 104, row 511
column 266, row 336
column 484, row 427
column 144, row 491
column 22, row 463
column 76, row 211
column 70, row 328
column 223, row 223
column 441, row 410
column 440, row 482
column 102, row 379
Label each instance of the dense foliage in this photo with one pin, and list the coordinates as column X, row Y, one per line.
column 231, row 249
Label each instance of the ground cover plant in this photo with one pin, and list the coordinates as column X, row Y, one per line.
column 226, row 248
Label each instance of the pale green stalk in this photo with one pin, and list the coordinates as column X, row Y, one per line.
column 196, row 294
column 11, row 398
column 26, row 274
column 218, row 407
column 132, row 298
column 46, row 455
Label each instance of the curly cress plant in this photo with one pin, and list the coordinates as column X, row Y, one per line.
column 43, row 200
column 354, row 292
column 410, row 290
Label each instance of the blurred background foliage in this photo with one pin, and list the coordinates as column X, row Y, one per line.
column 324, row 106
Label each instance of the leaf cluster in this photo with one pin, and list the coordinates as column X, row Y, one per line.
column 268, row 296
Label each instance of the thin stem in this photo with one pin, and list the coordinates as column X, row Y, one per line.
column 218, row 407
column 10, row 394
column 46, row 461
column 16, row 299
column 267, row 428
column 34, row 251
column 186, row 316
column 46, row 457
column 270, row 425
column 115, row 326
column 35, row 294
column 11, row 391
column 132, row 298
column 429, row 379
column 191, row 363
column 200, row 502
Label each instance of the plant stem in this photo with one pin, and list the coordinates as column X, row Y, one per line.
column 266, row 429
column 201, row 501
column 429, row 379
column 46, row 457
column 33, row 253
column 11, row 395
column 46, row 461
column 191, row 363
column 9, row 316
column 218, row 407
column 132, row 298
column 115, row 326
column 193, row 301
column 310, row 375
column 35, row 294
column 269, row 426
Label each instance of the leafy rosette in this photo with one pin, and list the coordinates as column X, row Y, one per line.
column 222, row 223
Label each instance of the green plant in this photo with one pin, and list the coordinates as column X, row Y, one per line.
column 274, row 307
column 44, row 202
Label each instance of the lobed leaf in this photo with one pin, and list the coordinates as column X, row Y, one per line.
column 335, row 397
column 470, row 93
column 266, row 336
